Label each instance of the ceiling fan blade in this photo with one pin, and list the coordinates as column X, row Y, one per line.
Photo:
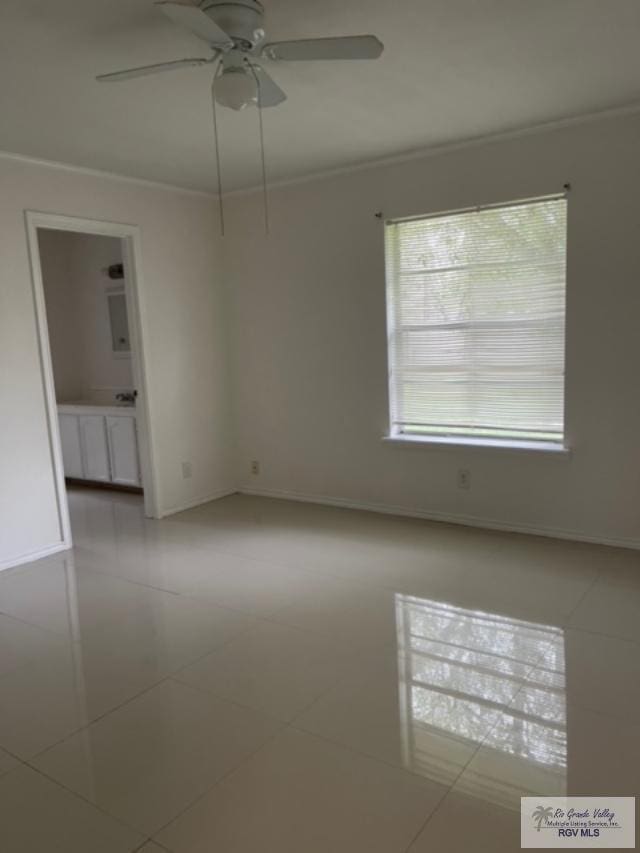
column 116, row 76
column 346, row 47
column 198, row 22
column 270, row 93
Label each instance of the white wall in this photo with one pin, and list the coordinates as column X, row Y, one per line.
column 103, row 373
column 75, row 283
column 63, row 312
column 184, row 333
column 308, row 317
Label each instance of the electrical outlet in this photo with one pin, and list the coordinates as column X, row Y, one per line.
column 464, row 478
column 187, row 470
column 255, row 467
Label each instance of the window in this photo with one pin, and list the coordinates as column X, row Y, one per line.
column 476, row 318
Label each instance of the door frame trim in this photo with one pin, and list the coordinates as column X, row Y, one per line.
column 130, row 236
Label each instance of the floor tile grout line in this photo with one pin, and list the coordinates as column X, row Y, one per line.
column 336, row 684
column 448, row 791
column 49, row 631
column 365, row 585
column 387, row 649
column 208, row 691
column 289, row 565
column 204, row 691
column 193, row 596
column 567, row 626
column 429, row 817
column 362, row 649
column 150, row 840
column 218, row 782
column 24, row 763
column 602, row 634
column 418, row 777
column 122, row 579
column 251, row 558
column 419, row 780
column 293, row 723
column 204, row 601
column 313, row 570
column 68, row 641
column 85, row 800
column 339, row 511
column 306, row 569
column 581, row 598
column 222, row 645
column 104, row 574
column 309, row 572
column 593, row 633
column 168, row 677
column 124, row 823
column 242, row 555
column 13, row 755
column 44, row 774
column 248, row 616
column 98, row 719
column 271, row 617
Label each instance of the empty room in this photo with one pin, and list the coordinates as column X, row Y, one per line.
column 319, row 419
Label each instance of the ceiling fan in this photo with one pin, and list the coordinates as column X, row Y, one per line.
column 233, row 30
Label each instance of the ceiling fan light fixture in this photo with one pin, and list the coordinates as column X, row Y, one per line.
column 233, row 30
column 236, row 88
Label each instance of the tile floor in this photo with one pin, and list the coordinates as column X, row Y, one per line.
column 258, row 676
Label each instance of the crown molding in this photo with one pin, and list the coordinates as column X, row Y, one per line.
column 446, row 148
column 367, row 165
column 100, row 173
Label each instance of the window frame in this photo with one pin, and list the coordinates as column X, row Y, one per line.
column 394, row 435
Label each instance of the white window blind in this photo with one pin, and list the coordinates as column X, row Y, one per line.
column 476, row 317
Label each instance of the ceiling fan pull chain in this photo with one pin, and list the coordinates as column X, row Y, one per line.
column 262, row 153
column 217, row 147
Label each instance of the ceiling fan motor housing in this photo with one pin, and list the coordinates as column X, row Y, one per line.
column 240, row 19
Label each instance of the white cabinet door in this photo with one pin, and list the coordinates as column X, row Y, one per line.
column 94, row 446
column 70, row 442
column 123, row 450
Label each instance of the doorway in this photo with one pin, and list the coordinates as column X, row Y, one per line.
column 86, row 284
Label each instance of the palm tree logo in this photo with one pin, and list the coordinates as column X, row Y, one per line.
column 542, row 814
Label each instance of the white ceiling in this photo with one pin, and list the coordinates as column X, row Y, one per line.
column 451, row 70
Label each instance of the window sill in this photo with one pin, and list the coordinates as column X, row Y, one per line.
column 545, row 447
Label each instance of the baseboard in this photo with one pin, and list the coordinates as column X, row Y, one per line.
column 214, row 496
column 34, row 555
column 448, row 518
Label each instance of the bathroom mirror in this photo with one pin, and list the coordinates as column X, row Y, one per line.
column 119, row 323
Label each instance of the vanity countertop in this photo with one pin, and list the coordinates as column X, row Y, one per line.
column 81, row 408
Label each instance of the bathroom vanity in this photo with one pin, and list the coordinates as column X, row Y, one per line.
column 100, row 443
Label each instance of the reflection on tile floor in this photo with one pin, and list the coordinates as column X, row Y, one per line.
column 258, row 675
column 470, row 679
